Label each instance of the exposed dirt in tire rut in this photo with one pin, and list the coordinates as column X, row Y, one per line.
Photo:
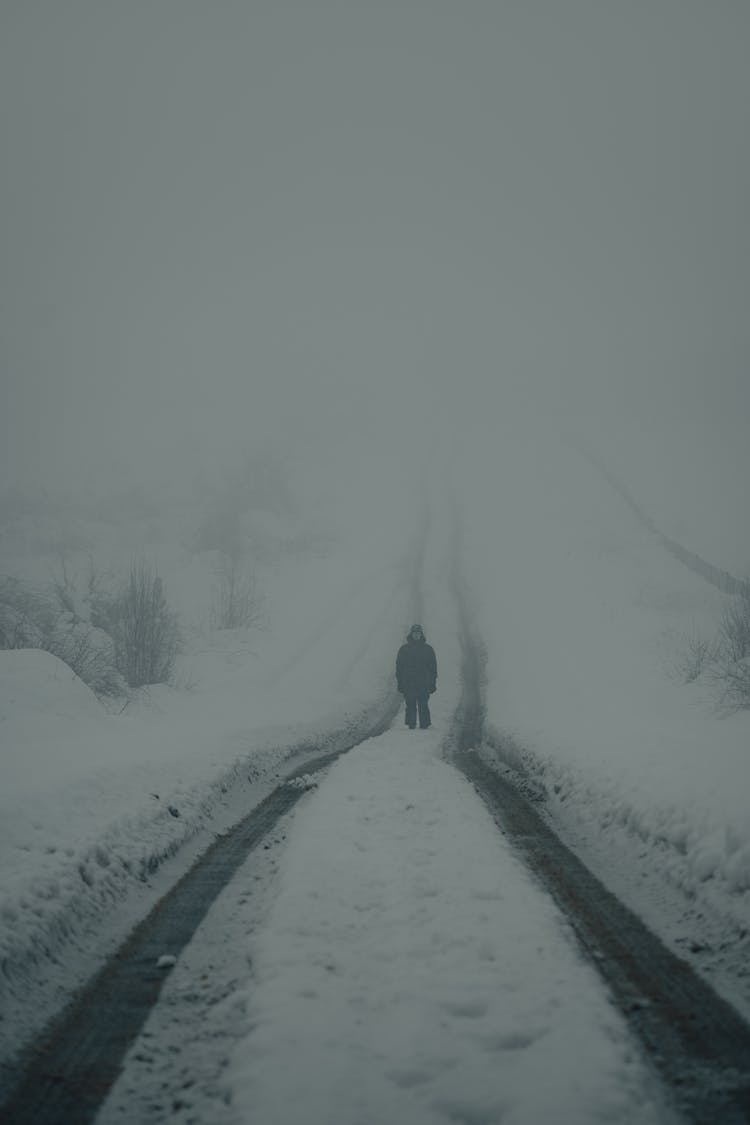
column 68, row 1070
column 697, row 1042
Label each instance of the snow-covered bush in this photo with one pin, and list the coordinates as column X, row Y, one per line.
column 50, row 617
column 144, row 628
column 90, row 652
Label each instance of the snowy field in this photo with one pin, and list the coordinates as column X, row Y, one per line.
column 583, row 615
column 337, row 318
column 97, row 800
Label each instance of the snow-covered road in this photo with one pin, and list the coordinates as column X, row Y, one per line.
column 408, row 968
column 471, row 997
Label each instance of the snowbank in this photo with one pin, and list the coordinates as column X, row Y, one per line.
column 585, row 617
column 94, row 803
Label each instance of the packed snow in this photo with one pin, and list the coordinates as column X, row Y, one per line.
column 411, row 970
column 583, row 616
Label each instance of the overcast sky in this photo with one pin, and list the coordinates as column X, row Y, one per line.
column 237, row 220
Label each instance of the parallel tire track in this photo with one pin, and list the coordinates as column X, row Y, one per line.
column 697, row 1043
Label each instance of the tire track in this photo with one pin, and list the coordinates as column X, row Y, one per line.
column 68, row 1071
column 697, row 1043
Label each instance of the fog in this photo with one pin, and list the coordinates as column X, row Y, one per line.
column 257, row 221
column 308, row 311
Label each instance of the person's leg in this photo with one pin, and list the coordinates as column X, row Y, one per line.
column 423, row 701
column 410, row 698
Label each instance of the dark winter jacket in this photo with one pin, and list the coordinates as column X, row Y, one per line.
column 416, row 666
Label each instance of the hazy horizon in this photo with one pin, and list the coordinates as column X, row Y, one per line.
column 276, row 222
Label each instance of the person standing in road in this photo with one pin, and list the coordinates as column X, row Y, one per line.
column 416, row 676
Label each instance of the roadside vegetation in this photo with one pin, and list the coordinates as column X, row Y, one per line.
column 116, row 625
column 724, row 660
column 116, row 634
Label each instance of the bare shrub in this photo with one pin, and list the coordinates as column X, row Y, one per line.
column 733, row 658
column 735, row 679
column 144, row 629
column 697, row 655
column 235, row 603
column 27, row 614
column 101, row 599
column 735, row 628
column 90, row 652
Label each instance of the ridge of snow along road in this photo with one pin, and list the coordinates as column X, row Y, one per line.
column 585, row 617
column 83, row 861
column 101, row 812
column 410, row 969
